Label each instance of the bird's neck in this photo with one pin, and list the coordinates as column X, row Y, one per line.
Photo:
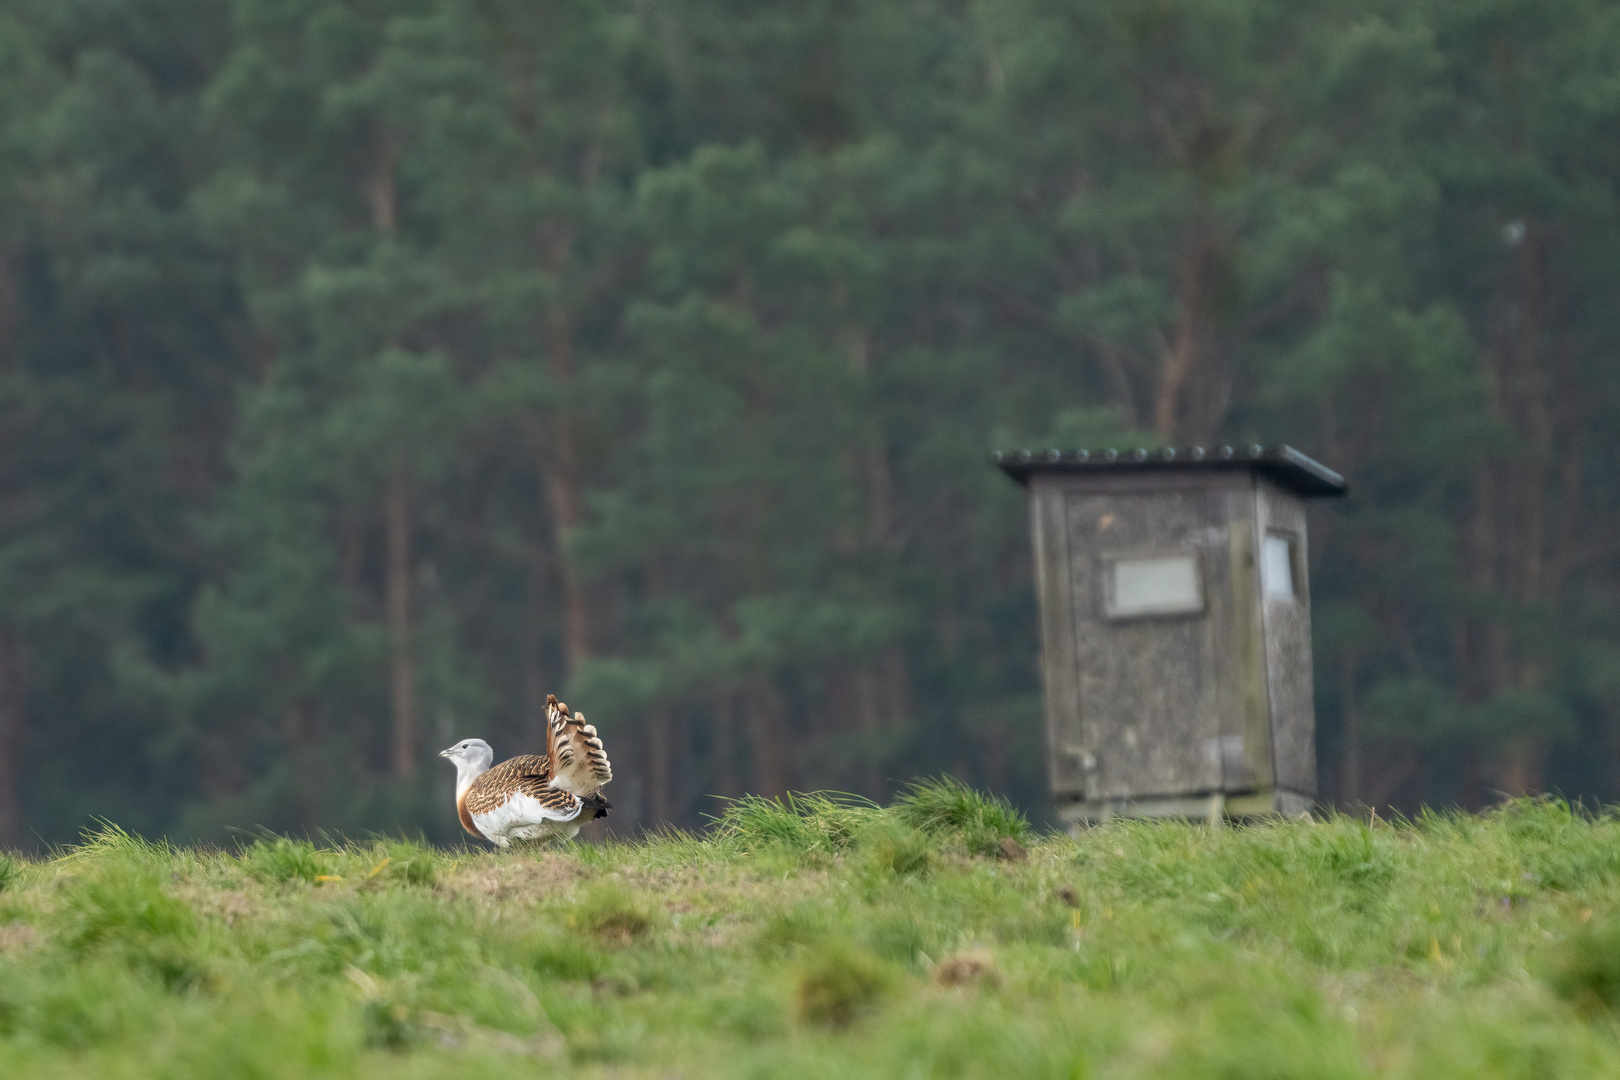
column 466, row 773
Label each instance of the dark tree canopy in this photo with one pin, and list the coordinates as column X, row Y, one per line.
column 370, row 370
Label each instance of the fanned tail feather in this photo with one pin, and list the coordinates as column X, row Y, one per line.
column 579, row 764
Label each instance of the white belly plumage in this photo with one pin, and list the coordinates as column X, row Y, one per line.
column 521, row 817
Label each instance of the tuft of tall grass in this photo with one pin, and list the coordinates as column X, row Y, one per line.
column 565, row 957
column 891, row 848
column 839, row 985
column 1586, row 971
column 399, row 862
column 946, row 807
column 612, row 915
column 74, row 1008
column 11, row 869
column 819, row 823
column 111, row 839
column 124, row 913
column 1544, row 827
column 280, row 859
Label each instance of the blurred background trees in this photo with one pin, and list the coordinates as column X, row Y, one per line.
column 370, row 369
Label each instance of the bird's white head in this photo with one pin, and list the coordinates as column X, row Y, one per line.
column 472, row 758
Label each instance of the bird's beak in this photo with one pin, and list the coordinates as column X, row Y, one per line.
column 444, row 753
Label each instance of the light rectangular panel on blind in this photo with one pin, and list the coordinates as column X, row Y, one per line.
column 1277, row 567
column 1157, row 585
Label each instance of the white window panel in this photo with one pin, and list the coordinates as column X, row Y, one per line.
column 1156, row 585
column 1277, row 567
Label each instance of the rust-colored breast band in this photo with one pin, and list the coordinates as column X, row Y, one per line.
column 465, row 816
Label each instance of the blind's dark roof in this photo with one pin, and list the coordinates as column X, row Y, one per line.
column 1281, row 464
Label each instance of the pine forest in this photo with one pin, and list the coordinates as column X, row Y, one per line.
column 370, row 369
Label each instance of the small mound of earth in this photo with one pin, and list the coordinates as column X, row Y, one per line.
column 970, row 966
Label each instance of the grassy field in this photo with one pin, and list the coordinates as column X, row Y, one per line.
column 820, row 939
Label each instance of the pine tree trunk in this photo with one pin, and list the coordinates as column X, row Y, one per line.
column 1471, row 786
column 532, row 673
column 296, row 738
column 380, row 189
column 11, row 693
column 560, row 460
column 1181, row 357
column 556, row 438
column 562, row 497
column 1119, row 379
column 767, row 739
column 660, row 763
column 1351, row 783
column 12, row 697
column 8, row 312
column 725, row 746
column 396, row 513
column 869, row 714
column 1393, row 772
column 1523, row 766
column 12, row 719
column 1526, row 500
column 882, row 683
column 401, row 669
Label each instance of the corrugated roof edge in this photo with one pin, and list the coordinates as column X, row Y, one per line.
column 1283, row 465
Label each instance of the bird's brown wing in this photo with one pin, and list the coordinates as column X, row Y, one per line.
column 528, row 774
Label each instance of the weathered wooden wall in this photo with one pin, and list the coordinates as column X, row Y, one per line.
column 1183, row 706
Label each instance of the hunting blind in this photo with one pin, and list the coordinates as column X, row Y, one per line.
column 1175, row 628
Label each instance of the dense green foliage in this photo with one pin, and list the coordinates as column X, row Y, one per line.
column 370, row 369
column 1452, row 946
